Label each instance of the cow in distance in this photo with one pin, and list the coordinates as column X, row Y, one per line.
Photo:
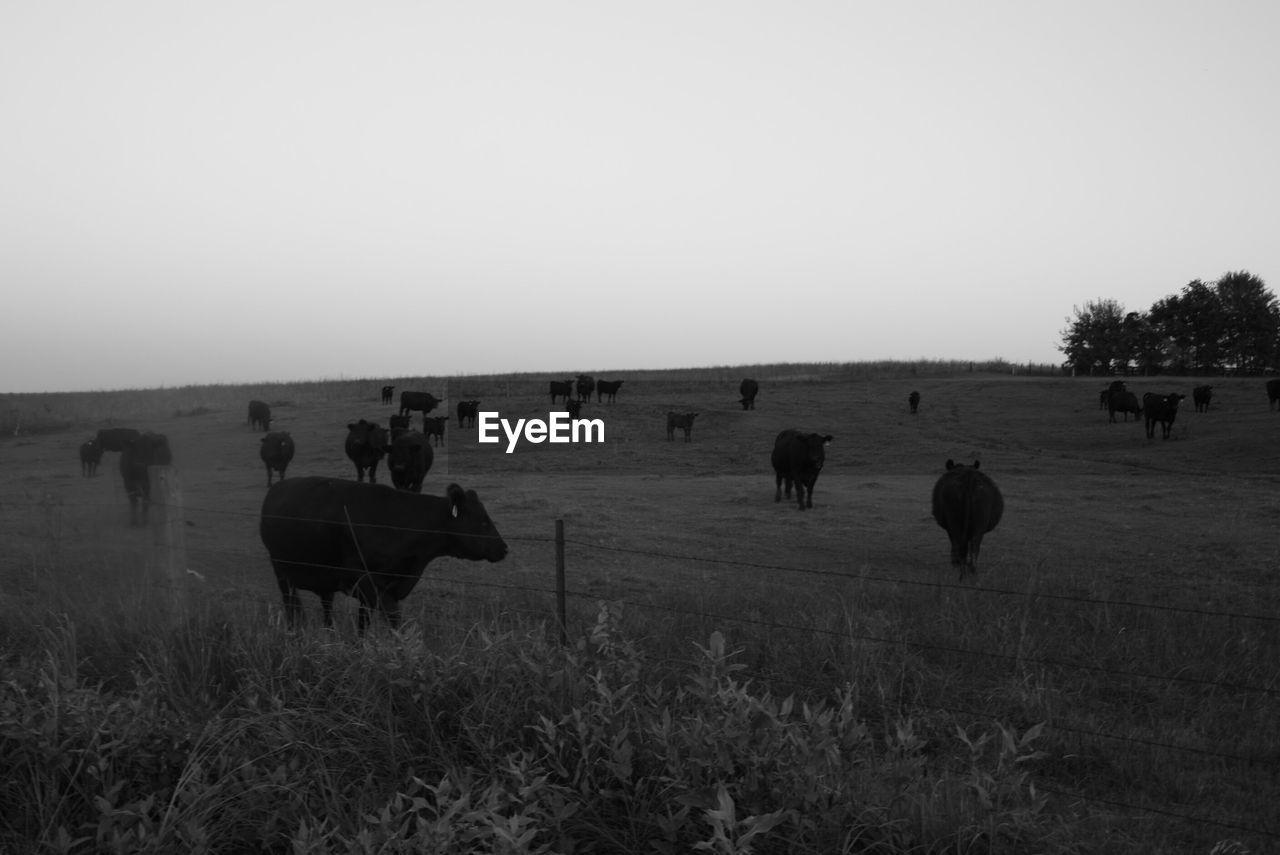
column 913, row 401
column 433, row 427
column 1162, row 409
column 367, row 443
column 276, row 452
column 409, row 460
column 386, row 394
column 149, row 449
column 468, row 412
column 1201, row 396
column 424, row 402
column 259, row 415
column 561, row 388
column 683, row 421
column 586, row 386
column 967, row 504
column 797, row 460
column 398, row 424
column 607, row 388
column 368, row 541
column 1125, row 402
column 90, row 457
column 747, row 391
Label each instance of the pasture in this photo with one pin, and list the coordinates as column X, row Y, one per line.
column 1128, row 599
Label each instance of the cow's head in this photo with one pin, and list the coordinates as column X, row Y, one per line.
column 473, row 535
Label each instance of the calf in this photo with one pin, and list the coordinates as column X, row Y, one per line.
column 1162, row 409
column 1201, row 396
column 967, row 504
column 276, row 452
column 797, row 460
column 366, row 445
column 433, row 426
column 684, row 421
column 259, row 415
column 90, row 456
column 386, row 394
column 409, row 460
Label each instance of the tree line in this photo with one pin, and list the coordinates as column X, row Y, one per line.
column 1231, row 326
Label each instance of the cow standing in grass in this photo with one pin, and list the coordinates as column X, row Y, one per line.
column 913, row 401
column 682, row 421
column 747, row 391
column 409, row 460
column 1201, row 396
column 259, row 415
column 607, row 388
column 433, row 427
column 1162, row 409
column 276, row 452
column 797, row 460
column 967, row 504
column 1125, row 402
column 367, row 443
column 386, row 394
column 149, row 449
column 586, row 386
column 90, row 456
column 563, row 388
column 468, row 412
column 423, row 402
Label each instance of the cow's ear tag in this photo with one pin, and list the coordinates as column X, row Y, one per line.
column 454, row 511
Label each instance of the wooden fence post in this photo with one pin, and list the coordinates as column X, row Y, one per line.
column 560, row 594
column 169, row 552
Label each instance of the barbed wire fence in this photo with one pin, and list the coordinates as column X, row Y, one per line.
column 179, row 569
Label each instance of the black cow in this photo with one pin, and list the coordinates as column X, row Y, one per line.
column 410, row 460
column 149, row 449
column 609, row 388
column 573, row 408
column 433, row 426
column 386, row 394
column 1103, row 397
column 468, row 412
column 424, row 402
column 797, row 460
column 967, row 504
column 1273, row 393
column 684, row 421
column 367, row 541
column 1123, row 402
column 259, row 415
column 399, row 424
column 90, row 456
column 1162, row 409
column 748, row 389
column 276, row 452
column 116, row 439
column 1201, row 396
column 913, row 401
column 366, row 444
column 565, row 389
column 586, row 386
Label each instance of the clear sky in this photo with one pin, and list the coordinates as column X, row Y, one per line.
column 253, row 191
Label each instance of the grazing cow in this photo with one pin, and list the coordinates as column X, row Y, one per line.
column 684, row 421
column 422, row 401
column 607, row 387
column 259, row 415
column 276, row 452
column 913, row 401
column 400, row 424
column 586, row 386
column 565, row 389
column 367, row 541
column 433, row 426
column 1162, row 409
column 366, row 444
column 797, row 460
column 410, row 460
column 1201, row 396
column 748, row 389
column 90, row 456
column 468, row 412
column 967, row 504
column 1123, row 402
column 116, row 439
column 386, row 394
column 149, row 449
column 1273, row 393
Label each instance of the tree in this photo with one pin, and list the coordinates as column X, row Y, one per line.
column 1193, row 323
column 1250, row 322
column 1094, row 342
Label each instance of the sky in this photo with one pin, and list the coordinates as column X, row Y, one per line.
column 243, row 192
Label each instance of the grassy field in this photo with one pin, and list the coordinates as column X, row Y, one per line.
column 1128, row 603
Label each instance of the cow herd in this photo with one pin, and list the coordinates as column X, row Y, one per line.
column 373, row 542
